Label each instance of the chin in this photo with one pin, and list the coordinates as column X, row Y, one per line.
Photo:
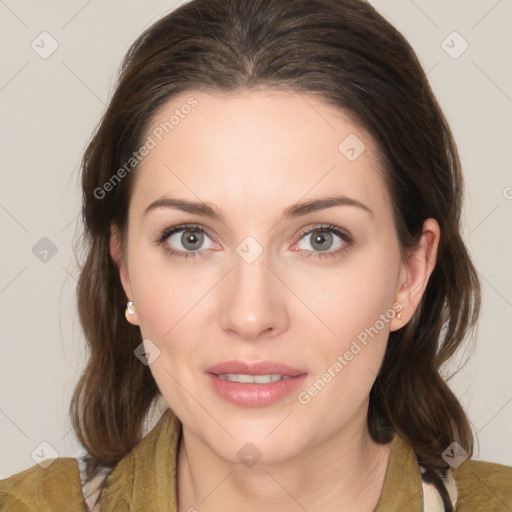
column 255, row 442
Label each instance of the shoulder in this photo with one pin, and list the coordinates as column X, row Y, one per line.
column 55, row 487
column 483, row 486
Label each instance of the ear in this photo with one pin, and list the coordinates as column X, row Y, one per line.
column 117, row 255
column 415, row 274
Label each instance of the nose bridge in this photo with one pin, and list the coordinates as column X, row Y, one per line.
column 252, row 301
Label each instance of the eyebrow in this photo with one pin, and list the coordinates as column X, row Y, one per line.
column 294, row 211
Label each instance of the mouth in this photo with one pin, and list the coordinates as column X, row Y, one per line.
column 254, row 384
column 253, row 379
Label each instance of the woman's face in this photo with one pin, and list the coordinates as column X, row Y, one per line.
column 255, row 284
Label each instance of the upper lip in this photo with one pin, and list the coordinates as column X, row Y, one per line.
column 260, row 368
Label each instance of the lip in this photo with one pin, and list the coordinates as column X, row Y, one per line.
column 259, row 368
column 252, row 394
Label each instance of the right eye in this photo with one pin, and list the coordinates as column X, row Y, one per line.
column 188, row 238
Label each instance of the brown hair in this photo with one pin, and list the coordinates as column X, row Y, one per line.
column 349, row 55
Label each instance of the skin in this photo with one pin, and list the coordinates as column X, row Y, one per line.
column 254, row 154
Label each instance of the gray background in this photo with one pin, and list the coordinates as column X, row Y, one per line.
column 50, row 107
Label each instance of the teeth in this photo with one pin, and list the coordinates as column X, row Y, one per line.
column 253, row 379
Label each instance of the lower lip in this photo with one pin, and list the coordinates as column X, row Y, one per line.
column 254, row 395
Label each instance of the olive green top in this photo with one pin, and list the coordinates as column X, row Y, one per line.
column 145, row 480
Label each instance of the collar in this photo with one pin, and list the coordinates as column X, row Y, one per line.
column 146, row 479
column 402, row 489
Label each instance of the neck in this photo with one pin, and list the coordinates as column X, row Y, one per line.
column 346, row 472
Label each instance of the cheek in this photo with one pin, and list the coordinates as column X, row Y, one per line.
column 355, row 306
column 351, row 297
column 166, row 290
column 169, row 309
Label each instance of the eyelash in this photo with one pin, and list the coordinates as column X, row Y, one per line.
column 167, row 232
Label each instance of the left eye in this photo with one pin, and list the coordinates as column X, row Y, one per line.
column 323, row 239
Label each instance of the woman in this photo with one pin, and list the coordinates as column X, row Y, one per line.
column 271, row 205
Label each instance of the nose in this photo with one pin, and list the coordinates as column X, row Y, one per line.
column 253, row 303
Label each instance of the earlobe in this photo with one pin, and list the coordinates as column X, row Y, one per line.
column 116, row 253
column 416, row 272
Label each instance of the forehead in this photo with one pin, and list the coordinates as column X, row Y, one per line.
column 253, row 150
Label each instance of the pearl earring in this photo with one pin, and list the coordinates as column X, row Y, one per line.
column 130, row 308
